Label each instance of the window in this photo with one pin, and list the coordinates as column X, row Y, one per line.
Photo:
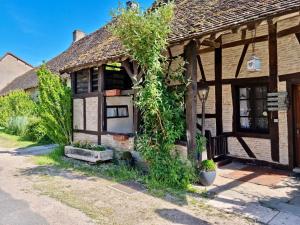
column 116, row 78
column 82, row 82
column 94, row 79
column 117, row 111
column 252, row 113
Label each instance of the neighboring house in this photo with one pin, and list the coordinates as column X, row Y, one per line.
column 216, row 39
column 12, row 67
column 28, row 81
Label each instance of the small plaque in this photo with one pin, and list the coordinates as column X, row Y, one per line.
column 277, row 101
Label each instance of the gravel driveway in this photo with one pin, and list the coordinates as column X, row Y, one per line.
column 35, row 195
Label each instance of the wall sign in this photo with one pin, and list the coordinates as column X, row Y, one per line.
column 277, row 101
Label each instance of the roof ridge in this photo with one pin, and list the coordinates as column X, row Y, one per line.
column 16, row 57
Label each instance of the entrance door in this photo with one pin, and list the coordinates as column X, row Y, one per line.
column 297, row 124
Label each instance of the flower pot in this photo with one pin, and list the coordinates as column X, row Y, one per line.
column 207, row 178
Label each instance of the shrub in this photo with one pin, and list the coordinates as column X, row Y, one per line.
column 208, row 165
column 17, row 125
column 35, row 130
column 16, row 104
column 55, row 106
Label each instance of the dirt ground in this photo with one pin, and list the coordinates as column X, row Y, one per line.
column 55, row 196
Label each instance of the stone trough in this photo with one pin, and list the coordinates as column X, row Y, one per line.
column 88, row 155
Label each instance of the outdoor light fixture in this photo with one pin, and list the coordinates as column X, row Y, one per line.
column 254, row 63
column 203, row 95
column 203, row 92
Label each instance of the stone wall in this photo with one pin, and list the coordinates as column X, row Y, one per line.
column 81, row 137
column 125, row 145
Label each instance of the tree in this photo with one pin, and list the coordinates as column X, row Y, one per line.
column 144, row 36
column 55, row 106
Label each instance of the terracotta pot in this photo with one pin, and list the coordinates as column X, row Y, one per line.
column 114, row 92
column 207, row 178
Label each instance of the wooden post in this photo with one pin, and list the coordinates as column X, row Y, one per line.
column 273, row 87
column 218, row 91
column 190, row 54
column 100, row 102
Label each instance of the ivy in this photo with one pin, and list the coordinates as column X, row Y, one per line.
column 55, row 106
column 144, row 35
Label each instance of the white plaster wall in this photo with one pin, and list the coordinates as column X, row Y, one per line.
column 80, row 137
column 78, row 114
column 121, row 125
column 92, row 114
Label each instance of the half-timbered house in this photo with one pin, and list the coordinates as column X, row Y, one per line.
column 247, row 52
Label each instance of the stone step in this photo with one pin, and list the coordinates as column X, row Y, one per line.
column 296, row 170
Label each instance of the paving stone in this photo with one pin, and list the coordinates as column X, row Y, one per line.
column 295, row 201
column 285, row 219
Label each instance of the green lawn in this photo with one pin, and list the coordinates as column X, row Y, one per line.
column 12, row 141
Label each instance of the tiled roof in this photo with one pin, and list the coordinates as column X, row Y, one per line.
column 193, row 18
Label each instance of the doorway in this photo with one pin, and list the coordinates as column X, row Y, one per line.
column 296, row 104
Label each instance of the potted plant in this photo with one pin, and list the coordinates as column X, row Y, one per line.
column 207, row 172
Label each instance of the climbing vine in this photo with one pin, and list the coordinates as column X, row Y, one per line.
column 144, row 36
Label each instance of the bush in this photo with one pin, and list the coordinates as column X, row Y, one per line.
column 17, row 125
column 35, row 130
column 55, row 106
column 208, row 166
column 16, row 104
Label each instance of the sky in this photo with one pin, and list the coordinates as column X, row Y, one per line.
column 37, row 31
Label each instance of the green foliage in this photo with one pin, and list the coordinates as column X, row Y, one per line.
column 208, row 165
column 36, row 131
column 201, row 143
column 86, row 145
column 15, row 104
column 144, row 35
column 55, row 106
column 17, row 125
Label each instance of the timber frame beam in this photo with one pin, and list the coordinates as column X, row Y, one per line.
column 190, row 56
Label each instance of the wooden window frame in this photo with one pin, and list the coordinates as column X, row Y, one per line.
column 117, row 107
column 236, row 108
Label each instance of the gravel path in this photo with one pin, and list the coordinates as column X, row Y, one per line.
column 37, row 195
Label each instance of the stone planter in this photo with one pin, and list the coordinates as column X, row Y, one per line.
column 88, row 155
column 207, row 178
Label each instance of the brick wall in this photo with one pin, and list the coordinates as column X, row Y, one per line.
column 108, row 140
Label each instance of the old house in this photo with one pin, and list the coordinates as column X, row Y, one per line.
column 11, row 67
column 247, row 52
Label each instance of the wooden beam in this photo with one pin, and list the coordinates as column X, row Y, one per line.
column 289, row 76
column 100, row 102
column 246, row 147
column 84, row 114
column 190, row 55
column 273, row 87
column 245, row 49
column 298, row 37
column 211, row 43
column 201, row 68
column 218, row 90
column 288, row 31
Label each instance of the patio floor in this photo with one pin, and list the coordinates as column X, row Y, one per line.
column 266, row 195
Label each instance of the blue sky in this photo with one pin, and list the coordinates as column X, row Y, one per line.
column 40, row 30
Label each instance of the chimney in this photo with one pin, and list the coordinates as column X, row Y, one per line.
column 77, row 35
column 132, row 5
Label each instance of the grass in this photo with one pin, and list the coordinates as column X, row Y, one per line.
column 110, row 171
column 12, row 141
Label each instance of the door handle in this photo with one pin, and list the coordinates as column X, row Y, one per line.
column 298, row 131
